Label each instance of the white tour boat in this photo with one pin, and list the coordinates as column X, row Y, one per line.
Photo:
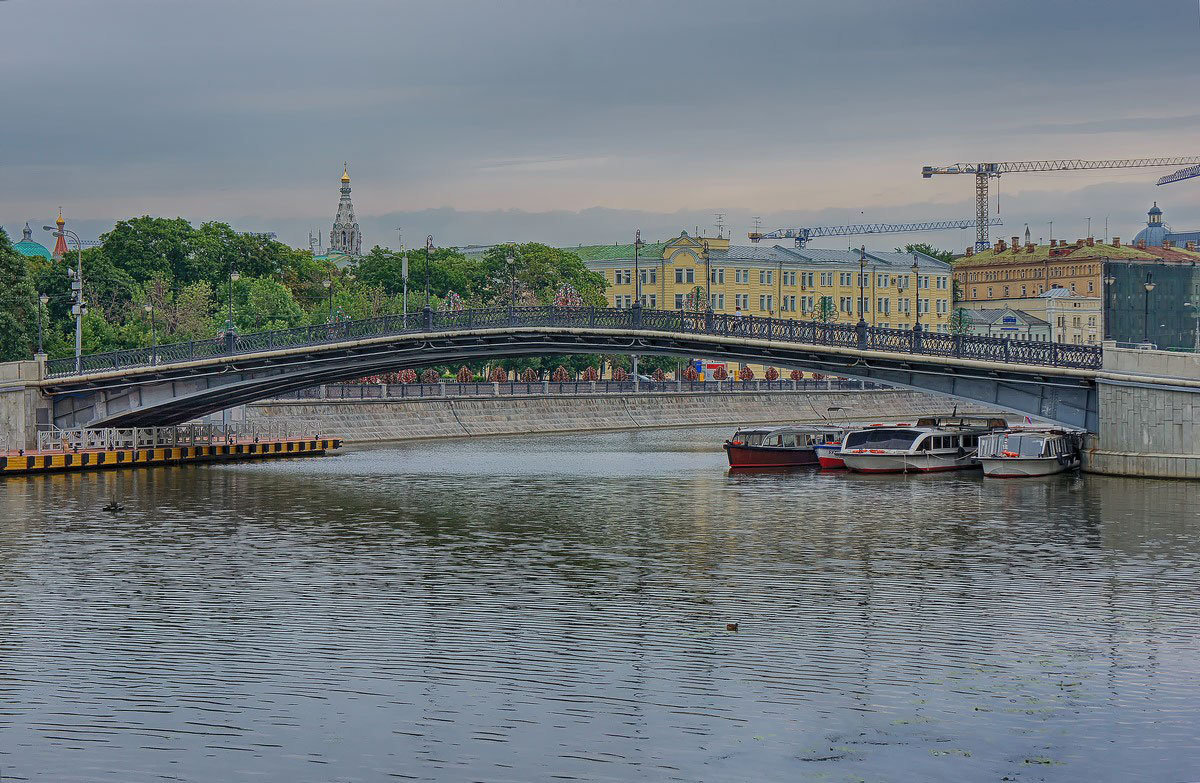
column 1017, row 453
column 933, row 445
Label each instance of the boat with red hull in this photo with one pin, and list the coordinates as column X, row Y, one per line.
column 777, row 447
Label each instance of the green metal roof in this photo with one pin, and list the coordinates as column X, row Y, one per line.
column 27, row 247
column 616, row 252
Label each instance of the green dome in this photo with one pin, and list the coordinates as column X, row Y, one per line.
column 27, row 247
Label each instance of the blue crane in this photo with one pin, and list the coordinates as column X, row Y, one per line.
column 803, row 235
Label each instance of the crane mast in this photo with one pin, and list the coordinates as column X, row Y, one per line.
column 985, row 171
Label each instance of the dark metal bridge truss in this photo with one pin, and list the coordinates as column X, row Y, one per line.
column 178, row 382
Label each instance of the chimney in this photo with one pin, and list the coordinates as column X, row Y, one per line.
column 1078, row 243
column 1141, row 243
column 1016, row 244
column 1189, row 245
column 1029, row 247
column 1116, row 241
column 970, row 250
column 1091, row 241
column 1053, row 243
column 1000, row 246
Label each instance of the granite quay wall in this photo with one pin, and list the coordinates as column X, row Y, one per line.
column 414, row 418
column 1147, row 429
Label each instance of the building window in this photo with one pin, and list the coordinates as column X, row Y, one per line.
column 718, row 301
column 650, row 300
column 678, row 301
column 989, row 292
column 718, row 276
column 883, row 305
column 806, row 279
column 1006, row 291
column 1022, row 290
column 766, row 302
column 846, row 278
column 826, row 279
column 882, row 280
column 846, row 304
column 741, row 301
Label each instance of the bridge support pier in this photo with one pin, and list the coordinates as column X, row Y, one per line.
column 23, row 407
column 1147, row 429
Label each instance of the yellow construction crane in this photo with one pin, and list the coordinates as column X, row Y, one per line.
column 985, row 171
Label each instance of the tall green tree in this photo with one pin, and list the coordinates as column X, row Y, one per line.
column 18, row 304
column 929, row 250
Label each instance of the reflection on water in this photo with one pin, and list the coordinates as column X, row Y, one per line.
column 554, row 608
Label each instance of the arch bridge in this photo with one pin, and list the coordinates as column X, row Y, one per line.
column 178, row 382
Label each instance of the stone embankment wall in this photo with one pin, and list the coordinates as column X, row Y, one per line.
column 393, row 419
column 1148, row 429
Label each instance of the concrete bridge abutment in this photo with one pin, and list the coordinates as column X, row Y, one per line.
column 24, row 408
column 1147, row 428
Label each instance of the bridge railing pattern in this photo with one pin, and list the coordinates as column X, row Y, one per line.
column 860, row 336
column 451, row 389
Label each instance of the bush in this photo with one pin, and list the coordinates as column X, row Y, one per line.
column 745, row 374
column 772, row 374
column 797, row 375
column 659, row 375
column 560, row 375
column 619, row 374
column 720, row 374
column 690, row 374
column 591, row 374
column 464, row 375
column 529, row 376
column 430, row 376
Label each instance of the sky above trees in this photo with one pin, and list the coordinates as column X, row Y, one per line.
column 576, row 122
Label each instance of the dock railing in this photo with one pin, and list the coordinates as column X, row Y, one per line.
column 112, row 438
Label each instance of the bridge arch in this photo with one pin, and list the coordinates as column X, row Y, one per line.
column 182, row 390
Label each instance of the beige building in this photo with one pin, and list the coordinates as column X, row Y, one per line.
column 1073, row 318
column 776, row 281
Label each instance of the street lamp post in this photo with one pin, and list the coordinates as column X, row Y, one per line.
column 511, row 260
column 916, row 293
column 1149, row 286
column 428, row 314
column 637, row 275
column 42, row 300
column 707, row 278
column 149, row 308
column 1109, row 304
column 637, row 296
column 78, row 306
column 230, row 330
column 328, row 283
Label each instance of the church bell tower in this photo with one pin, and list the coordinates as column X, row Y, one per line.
column 345, row 237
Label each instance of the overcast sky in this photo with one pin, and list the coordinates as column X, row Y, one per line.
column 569, row 121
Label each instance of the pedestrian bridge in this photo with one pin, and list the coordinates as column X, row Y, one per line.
column 170, row 384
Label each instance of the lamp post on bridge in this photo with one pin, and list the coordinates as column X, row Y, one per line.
column 328, row 283
column 1110, row 301
column 916, row 270
column 1149, row 286
column 861, row 326
column 149, row 308
column 42, row 300
column 511, row 261
column 78, row 306
column 637, row 296
column 230, row 330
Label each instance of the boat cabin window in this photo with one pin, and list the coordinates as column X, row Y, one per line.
column 750, row 437
column 771, row 440
column 789, row 440
column 881, row 438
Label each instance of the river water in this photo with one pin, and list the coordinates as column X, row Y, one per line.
column 555, row 608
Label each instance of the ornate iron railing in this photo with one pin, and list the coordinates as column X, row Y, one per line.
column 995, row 349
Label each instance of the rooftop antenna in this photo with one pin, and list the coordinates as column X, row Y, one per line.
column 720, row 225
column 757, row 224
column 400, row 237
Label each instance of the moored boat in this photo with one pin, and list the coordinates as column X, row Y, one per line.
column 1021, row 453
column 777, row 447
column 933, row 445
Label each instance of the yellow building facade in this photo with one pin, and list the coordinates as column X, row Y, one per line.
column 777, row 281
